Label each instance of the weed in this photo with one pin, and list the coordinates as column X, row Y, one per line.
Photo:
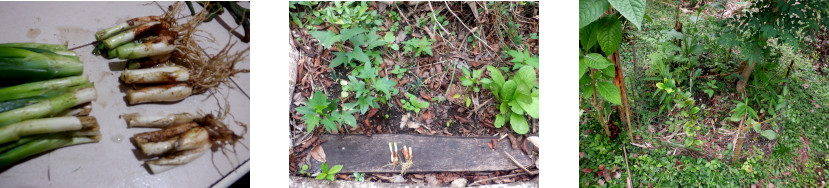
column 516, row 96
column 418, row 46
column 304, row 170
column 398, row 71
column 521, row 59
column 359, row 177
column 413, row 104
column 472, row 79
column 328, row 174
column 321, row 110
column 684, row 103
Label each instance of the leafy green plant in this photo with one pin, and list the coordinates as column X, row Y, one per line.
column 788, row 21
column 358, row 37
column 521, row 59
column 597, row 88
column 443, row 22
column 321, row 110
column 517, row 96
column 398, row 71
column 600, row 35
column 413, row 104
column 418, row 46
column 351, row 14
column 369, row 88
column 389, row 38
column 472, row 79
column 328, row 174
column 304, row 170
column 359, row 176
column 710, row 86
column 394, row 27
column 756, row 158
column 744, row 110
column 684, row 103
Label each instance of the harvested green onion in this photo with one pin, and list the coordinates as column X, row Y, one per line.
column 13, row 132
column 29, row 146
column 18, row 65
column 48, row 107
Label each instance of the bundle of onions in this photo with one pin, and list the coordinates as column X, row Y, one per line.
column 165, row 59
column 48, row 107
column 183, row 138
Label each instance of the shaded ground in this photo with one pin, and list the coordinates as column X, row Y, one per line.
column 435, row 79
column 659, row 158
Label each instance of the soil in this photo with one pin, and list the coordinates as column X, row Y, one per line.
column 428, row 78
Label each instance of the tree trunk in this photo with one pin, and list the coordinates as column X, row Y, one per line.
column 619, row 81
column 746, row 73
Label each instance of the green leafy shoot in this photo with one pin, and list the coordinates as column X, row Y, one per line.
column 328, row 174
column 320, row 110
column 304, row 170
column 399, row 71
column 522, row 58
column 326, row 37
column 389, row 39
column 471, row 79
column 516, row 96
column 386, row 86
column 359, row 177
column 413, row 103
column 414, row 45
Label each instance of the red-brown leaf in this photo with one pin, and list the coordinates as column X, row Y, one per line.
column 372, row 112
column 461, row 119
column 513, row 140
column 477, row 63
column 425, row 96
column 308, row 143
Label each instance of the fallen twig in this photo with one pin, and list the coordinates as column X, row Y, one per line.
column 646, row 145
column 499, row 177
column 467, row 27
column 627, row 167
column 715, row 75
column 516, row 162
column 435, row 19
column 478, row 107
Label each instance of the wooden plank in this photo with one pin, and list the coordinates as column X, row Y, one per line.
column 359, row 153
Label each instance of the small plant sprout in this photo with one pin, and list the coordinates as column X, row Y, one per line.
column 398, row 71
column 321, row 110
column 328, row 174
column 413, row 104
column 418, row 46
column 304, row 170
column 523, row 58
column 389, row 39
column 472, row 78
column 359, row 176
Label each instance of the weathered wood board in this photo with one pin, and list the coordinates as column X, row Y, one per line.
column 359, row 153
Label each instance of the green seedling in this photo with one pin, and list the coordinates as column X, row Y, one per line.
column 328, row 174
column 321, row 110
column 517, row 96
column 413, row 103
column 418, row 46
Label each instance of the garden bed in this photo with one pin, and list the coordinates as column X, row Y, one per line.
column 402, row 69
